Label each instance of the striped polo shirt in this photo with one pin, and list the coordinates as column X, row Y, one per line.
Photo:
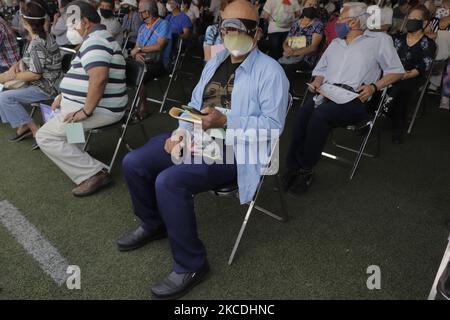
column 99, row 49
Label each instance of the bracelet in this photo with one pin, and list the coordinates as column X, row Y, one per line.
column 85, row 113
column 375, row 86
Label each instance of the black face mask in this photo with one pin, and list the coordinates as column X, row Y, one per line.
column 106, row 13
column 310, row 12
column 413, row 25
column 125, row 10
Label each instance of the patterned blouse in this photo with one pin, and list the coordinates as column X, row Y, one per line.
column 315, row 27
column 419, row 56
column 43, row 57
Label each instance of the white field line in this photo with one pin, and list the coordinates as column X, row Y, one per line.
column 49, row 259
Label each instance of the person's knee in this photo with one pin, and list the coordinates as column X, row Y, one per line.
column 131, row 162
column 167, row 181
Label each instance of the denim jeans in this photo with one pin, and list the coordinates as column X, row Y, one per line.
column 12, row 101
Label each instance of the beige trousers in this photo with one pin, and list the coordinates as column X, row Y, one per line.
column 77, row 164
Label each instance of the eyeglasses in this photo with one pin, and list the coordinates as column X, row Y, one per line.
column 237, row 25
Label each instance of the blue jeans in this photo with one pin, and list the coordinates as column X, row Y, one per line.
column 162, row 194
column 12, row 101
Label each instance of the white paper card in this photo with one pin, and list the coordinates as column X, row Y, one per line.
column 337, row 94
column 74, row 132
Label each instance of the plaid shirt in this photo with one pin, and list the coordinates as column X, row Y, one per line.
column 9, row 50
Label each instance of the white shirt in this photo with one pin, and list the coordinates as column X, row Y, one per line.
column 281, row 16
column 363, row 61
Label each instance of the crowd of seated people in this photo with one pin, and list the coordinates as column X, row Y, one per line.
column 329, row 39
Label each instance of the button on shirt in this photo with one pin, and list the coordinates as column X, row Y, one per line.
column 362, row 61
column 259, row 100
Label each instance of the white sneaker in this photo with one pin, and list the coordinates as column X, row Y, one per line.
column 444, row 103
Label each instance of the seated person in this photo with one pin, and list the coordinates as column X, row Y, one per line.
column 112, row 24
column 301, row 46
column 280, row 14
column 9, row 49
column 416, row 51
column 190, row 7
column 180, row 23
column 353, row 61
column 93, row 92
column 162, row 192
column 59, row 27
column 399, row 15
column 131, row 21
column 39, row 68
column 152, row 47
column 213, row 42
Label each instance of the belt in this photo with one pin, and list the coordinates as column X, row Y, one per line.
column 344, row 86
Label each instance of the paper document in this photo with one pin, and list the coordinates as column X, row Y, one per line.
column 74, row 132
column 337, row 94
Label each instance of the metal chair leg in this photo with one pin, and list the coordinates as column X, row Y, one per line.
column 86, row 144
column 241, row 232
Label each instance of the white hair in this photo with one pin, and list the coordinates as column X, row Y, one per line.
column 358, row 9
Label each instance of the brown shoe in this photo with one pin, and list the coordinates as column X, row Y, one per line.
column 93, row 184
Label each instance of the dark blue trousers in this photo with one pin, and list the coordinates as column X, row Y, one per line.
column 162, row 194
column 312, row 125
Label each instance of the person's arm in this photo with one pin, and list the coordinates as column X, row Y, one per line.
column 267, row 10
column 158, row 46
column 186, row 34
column 59, row 27
column 207, row 52
column 98, row 78
column 316, row 39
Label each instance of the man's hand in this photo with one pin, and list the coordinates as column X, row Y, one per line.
column 315, row 85
column 174, row 141
column 134, row 52
column 56, row 103
column 75, row 116
column 213, row 118
column 140, row 57
column 365, row 92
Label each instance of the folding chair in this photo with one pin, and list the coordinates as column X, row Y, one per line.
column 370, row 123
column 232, row 189
column 135, row 72
column 175, row 68
column 423, row 90
column 444, row 262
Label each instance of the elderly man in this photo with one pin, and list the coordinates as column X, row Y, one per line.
column 354, row 61
column 179, row 22
column 93, row 92
column 154, row 40
column 162, row 192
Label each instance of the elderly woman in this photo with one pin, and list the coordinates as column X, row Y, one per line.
column 416, row 51
column 131, row 21
column 300, row 49
column 280, row 14
column 41, row 70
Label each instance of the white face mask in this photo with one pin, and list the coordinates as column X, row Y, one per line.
column 168, row 7
column 238, row 44
column 74, row 37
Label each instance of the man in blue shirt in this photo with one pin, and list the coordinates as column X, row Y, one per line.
column 355, row 61
column 153, row 40
column 253, row 92
column 180, row 23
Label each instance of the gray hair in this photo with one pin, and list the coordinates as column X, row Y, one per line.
column 151, row 7
column 359, row 10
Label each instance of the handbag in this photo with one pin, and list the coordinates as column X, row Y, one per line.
column 16, row 84
column 152, row 57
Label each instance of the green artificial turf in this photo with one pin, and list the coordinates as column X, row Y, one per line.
column 392, row 215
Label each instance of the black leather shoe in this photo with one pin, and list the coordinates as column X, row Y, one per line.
column 176, row 285
column 302, row 182
column 139, row 238
column 288, row 178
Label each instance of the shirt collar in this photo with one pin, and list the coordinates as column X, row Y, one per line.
column 247, row 64
column 97, row 27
